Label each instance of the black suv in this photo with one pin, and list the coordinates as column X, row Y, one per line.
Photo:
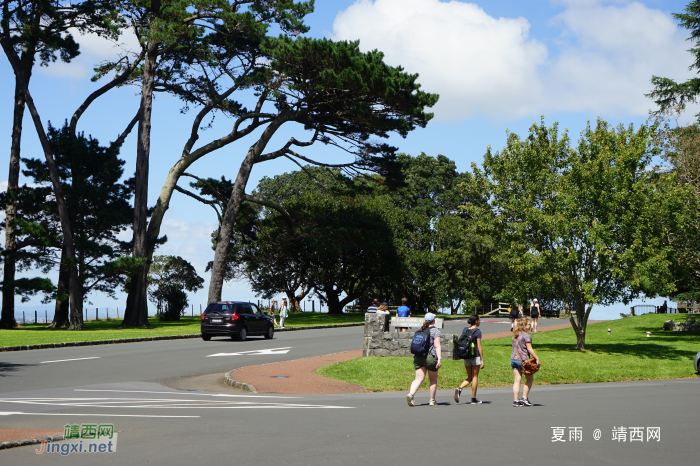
column 235, row 319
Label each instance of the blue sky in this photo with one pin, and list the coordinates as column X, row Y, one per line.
column 497, row 65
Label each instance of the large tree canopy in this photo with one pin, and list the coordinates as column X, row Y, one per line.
column 345, row 97
column 582, row 220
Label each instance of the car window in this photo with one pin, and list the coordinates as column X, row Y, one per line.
column 254, row 309
column 244, row 309
column 220, row 308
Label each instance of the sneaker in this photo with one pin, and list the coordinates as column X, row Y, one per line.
column 476, row 402
column 432, row 403
column 516, row 404
column 458, row 393
column 409, row 399
column 525, row 402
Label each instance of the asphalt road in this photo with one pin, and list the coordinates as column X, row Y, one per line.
column 158, row 425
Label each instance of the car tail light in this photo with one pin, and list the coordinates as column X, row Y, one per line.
column 202, row 316
column 235, row 316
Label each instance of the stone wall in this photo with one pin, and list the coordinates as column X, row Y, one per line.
column 379, row 341
column 688, row 326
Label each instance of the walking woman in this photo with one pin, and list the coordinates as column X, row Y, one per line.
column 534, row 314
column 515, row 312
column 430, row 363
column 522, row 349
column 284, row 312
column 271, row 312
column 474, row 364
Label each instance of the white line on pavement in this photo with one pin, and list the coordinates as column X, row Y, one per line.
column 182, row 393
column 64, row 360
column 102, row 415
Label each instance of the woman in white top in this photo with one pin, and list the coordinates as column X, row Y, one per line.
column 284, row 312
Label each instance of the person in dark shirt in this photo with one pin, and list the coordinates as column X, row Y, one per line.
column 515, row 314
column 472, row 365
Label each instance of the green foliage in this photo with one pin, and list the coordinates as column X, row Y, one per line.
column 98, row 205
column 45, row 27
column 672, row 96
column 168, row 278
column 578, row 224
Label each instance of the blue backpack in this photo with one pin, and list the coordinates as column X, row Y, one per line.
column 420, row 344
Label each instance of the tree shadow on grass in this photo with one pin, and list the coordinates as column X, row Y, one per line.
column 643, row 350
column 7, row 367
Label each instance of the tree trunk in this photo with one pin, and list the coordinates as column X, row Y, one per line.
column 7, row 320
column 75, row 296
column 454, row 309
column 136, row 312
column 60, row 315
column 218, row 269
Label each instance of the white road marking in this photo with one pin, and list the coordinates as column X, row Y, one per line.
column 72, row 414
column 184, row 393
column 255, row 353
column 160, row 403
column 64, row 360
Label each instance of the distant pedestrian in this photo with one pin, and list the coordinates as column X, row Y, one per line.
column 430, row 363
column 403, row 311
column 271, row 312
column 534, row 314
column 472, row 365
column 514, row 314
column 373, row 308
column 522, row 349
column 284, row 312
column 663, row 309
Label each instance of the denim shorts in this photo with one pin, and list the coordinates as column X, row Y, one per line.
column 515, row 364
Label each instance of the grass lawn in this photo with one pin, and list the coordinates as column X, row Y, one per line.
column 36, row 334
column 625, row 354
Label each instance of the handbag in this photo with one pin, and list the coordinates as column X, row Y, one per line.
column 530, row 366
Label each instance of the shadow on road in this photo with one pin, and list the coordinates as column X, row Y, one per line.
column 7, row 367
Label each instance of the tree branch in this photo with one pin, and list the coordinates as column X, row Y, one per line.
column 272, row 205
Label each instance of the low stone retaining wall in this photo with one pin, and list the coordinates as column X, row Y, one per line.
column 379, row 341
column 688, row 326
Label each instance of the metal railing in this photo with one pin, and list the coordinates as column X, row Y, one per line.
column 641, row 309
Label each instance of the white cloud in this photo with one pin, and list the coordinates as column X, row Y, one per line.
column 475, row 62
column 3, row 186
column 478, row 64
column 93, row 51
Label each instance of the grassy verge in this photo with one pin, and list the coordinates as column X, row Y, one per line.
column 625, row 354
column 37, row 334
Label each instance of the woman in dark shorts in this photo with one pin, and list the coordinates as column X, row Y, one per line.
column 534, row 314
column 516, row 312
column 430, row 363
column 522, row 349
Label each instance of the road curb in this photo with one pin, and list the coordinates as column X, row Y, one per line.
column 243, row 386
column 164, row 337
column 28, row 441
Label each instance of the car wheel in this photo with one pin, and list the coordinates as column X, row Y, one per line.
column 270, row 332
column 206, row 337
column 241, row 335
